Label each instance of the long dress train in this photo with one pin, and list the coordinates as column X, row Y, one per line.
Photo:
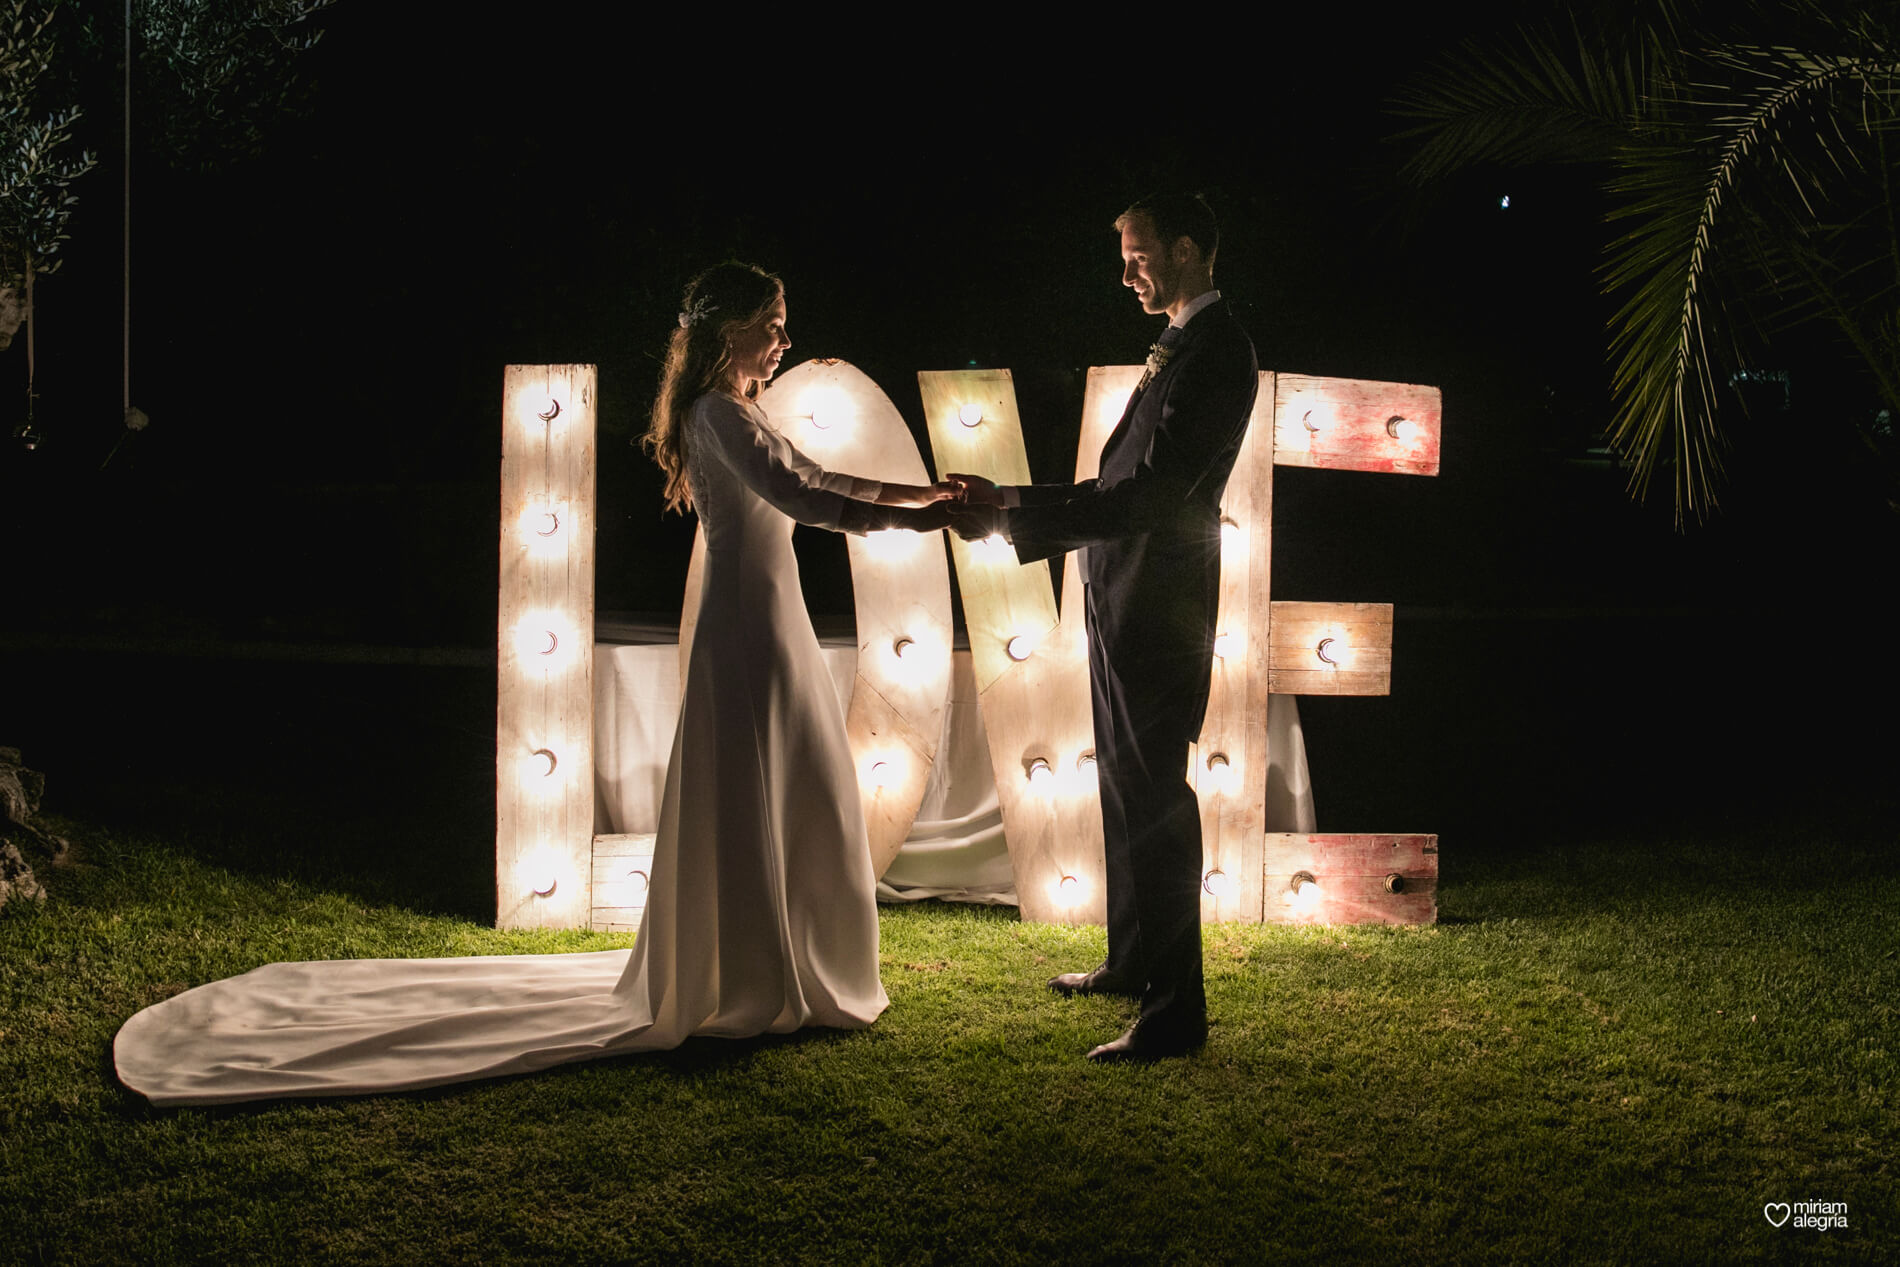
column 761, row 916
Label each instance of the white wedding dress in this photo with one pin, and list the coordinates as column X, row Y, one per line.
column 761, row 917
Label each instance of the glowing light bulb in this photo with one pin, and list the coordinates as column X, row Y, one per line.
column 639, row 881
column 1402, row 429
column 541, row 872
column 533, row 641
column 1329, row 650
column 827, row 407
column 1020, row 647
column 970, row 414
column 883, row 774
column 903, row 647
column 1221, row 773
column 542, row 641
column 1225, row 644
column 1312, row 423
column 1041, row 777
column 542, row 762
column 1085, row 765
column 540, row 523
column 1217, row 883
column 1068, row 891
column 892, row 545
column 1303, row 893
column 993, row 549
column 1230, row 533
column 550, row 410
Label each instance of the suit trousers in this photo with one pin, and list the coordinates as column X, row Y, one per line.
column 1151, row 834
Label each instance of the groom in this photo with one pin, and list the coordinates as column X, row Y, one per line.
column 1149, row 528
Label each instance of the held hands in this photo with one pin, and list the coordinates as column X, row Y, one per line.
column 976, row 490
column 969, row 504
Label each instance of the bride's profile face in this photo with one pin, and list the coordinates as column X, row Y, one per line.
column 758, row 348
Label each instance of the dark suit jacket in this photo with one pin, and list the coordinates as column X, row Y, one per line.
column 1151, row 520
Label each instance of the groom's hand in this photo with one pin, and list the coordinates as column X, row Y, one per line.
column 977, row 491
column 973, row 522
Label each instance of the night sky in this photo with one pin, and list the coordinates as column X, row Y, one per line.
column 319, row 334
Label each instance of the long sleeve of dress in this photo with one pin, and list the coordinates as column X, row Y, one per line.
column 736, row 436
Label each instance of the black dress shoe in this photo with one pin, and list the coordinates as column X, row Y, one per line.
column 1099, row 981
column 1146, row 1042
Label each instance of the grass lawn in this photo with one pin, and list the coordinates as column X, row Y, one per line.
column 1631, row 1030
column 1610, row 1050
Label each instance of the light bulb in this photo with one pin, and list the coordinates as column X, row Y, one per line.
column 1217, row 883
column 903, row 647
column 892, row 544
column 542, row 762
column 533, row 639
column 540, row 521
column 1230, row 533
column 970, row 414
column 1329, row 650
column 1085, row 765
column 1020, row 647
column 1304, row 892
column 543, row 640
column 1041, row 777
column 827, row 407
column 1225, row 645
column 883, row 774
column 1402, row 429
column 1067, row 891
column 639, row 881
column 550, row 410
column 541, row 872
column 1221, row 772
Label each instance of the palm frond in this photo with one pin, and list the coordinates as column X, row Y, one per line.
column 1766, row 130
column 1544, row 99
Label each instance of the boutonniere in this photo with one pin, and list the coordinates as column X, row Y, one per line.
column 1158, row 357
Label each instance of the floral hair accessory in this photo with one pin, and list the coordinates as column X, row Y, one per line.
column 698, row 310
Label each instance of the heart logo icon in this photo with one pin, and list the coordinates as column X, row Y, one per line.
column 1776, row 1212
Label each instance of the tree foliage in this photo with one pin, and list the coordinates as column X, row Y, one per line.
column 208, row 78
column 211, row 76
column 1747, row 150
column 37, row 162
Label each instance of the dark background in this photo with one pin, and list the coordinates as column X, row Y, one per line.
column 319, row 335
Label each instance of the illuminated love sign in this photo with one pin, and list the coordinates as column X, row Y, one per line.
column 1029, row 659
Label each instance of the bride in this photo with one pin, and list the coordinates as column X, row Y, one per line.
column 761, row 917
column 766, row 921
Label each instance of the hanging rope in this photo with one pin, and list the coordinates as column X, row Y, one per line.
column 29, row 437
column 125, row 373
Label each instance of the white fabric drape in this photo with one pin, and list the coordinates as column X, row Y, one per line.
column 955, row 850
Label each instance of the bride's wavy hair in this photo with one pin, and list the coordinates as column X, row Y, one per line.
column 724, row 298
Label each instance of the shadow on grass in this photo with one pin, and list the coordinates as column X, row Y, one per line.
column 374, row 780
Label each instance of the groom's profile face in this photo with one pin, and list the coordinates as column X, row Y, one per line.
column 1149, row 265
